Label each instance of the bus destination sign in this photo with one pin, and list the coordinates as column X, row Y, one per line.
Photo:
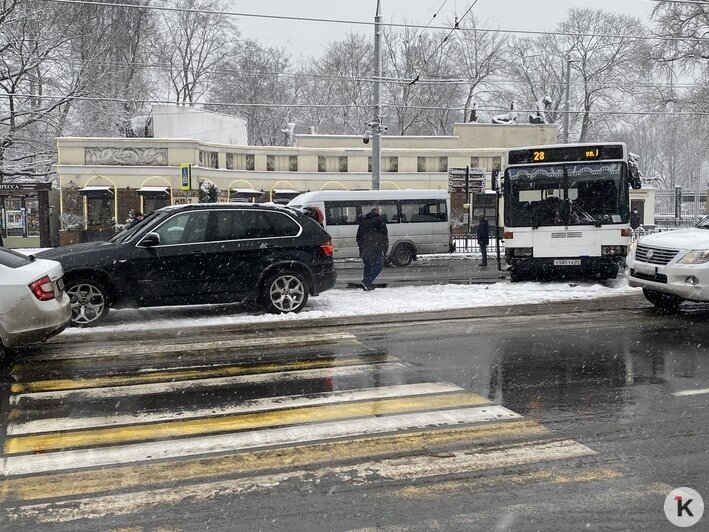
column 566, row 154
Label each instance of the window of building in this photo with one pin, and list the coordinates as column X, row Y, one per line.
column 229, row 161
column 497, row 163
column 292, row 163
column 153, row 202
column 475, row 162
column 332, row 164
column 443, row 164
column 270, row 163
column 250, row 161
column 420, row 164
column 209, row 159
column 391, row 164
column 369, row 164
column 100, row 210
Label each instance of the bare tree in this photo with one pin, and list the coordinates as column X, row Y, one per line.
column 194, row 41
column 478, row 56
column 535, row 73
column 606, row 69
column 344, row 73
column 687, row 49
column 255, row 76
column 113, row 45
column 38, row 77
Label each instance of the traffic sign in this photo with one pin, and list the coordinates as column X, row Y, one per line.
column 185, row 176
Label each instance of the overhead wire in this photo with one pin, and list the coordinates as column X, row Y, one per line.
column 443, row 41
column 371, row 24
column 338, row 105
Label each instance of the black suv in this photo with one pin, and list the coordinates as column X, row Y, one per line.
column 198, row 254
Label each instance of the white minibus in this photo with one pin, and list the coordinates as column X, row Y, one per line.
column 417, row 220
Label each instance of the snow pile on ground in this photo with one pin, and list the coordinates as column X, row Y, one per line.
column 355, row 302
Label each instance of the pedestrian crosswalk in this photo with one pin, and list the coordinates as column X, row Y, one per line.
column 116, row 431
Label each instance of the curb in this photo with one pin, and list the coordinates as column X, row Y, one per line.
column 623, row 302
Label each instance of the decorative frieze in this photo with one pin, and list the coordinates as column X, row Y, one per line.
column 126, row 156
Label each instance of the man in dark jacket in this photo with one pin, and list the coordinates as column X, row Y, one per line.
column 483, row 235
column 373, row 242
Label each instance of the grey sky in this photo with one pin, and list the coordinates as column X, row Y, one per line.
column 308, row 38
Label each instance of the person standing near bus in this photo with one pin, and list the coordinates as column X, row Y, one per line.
column 373, row 242
column 483, row 234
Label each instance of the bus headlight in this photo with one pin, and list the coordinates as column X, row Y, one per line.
column 697, row 256
column 613, row 251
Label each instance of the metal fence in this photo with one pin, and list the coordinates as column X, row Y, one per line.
column 679, row 208
column 469, row 244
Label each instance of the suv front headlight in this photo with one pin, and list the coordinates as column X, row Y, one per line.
column 697, row 256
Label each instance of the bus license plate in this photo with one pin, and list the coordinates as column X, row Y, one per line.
column 567, row 262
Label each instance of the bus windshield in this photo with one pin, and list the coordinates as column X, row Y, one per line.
column 563, row 195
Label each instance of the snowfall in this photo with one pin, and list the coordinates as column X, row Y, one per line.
column 341, row 303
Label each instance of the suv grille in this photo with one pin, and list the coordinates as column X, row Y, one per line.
column 654, row 255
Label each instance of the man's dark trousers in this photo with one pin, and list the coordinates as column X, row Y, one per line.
column 373, row 265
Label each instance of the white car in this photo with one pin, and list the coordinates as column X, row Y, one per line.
column 33, row 304
column 672, row 267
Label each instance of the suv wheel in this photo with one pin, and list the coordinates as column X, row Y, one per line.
column 662, row 301
column 284, row 292
column 89, row 302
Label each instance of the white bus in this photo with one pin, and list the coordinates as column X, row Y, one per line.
column 417, row 220
column 567, row 209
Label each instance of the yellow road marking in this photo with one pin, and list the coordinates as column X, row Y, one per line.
column 103, row 480
column 549, row 476
column 237, row 422
column 193, row 374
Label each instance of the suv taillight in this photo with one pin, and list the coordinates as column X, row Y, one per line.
column 327, row 248
column 43, row 289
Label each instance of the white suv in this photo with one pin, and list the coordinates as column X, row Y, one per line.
column 672, row 267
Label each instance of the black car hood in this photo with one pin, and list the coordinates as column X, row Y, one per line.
column 75, row 249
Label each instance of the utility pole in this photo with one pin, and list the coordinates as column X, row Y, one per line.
column 566, row 104
column 377, row 123
column 696, row 199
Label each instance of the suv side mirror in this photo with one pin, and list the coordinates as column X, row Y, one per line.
column 150, row 240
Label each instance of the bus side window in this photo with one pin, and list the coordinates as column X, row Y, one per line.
column 341, row 214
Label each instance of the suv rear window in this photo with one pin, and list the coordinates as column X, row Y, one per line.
column 12, row 259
